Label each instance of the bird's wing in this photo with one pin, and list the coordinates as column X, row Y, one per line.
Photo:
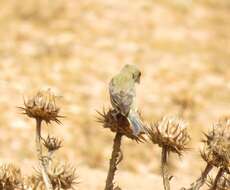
column 122, row 99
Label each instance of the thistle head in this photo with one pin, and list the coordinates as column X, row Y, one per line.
column 10, row 177
column 61, row 176
column 42, row 106
column 170, row 132
column 216, row 150
column 117, row 123
column 52, row 144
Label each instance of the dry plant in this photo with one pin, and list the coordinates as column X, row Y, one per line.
column 216, row 153
column 61, row 176
column 171, row 135
column 10, row 177
column 118, row 124
column 42, row 107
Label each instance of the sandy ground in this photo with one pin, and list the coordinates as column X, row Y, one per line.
column 74, row 47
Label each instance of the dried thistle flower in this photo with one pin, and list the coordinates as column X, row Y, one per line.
column 170, row 132
column 10, row 177
column 117, row 123
column 216, row 150
column 61, row 176
column 42, row 106
column 52, row 143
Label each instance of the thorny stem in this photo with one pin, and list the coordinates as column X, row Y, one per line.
column 114, row 161
column 164, row 168
column 49, row 156
column 40, row 157
column 201, row 180
column 38, row 138
column 218, row 176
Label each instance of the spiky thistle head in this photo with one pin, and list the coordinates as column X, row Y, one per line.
column 52, row 143
column 61, row 176
column 10, row 177
column 117, row 123
column 216, row 150
column 42, row 106
column 170, row 132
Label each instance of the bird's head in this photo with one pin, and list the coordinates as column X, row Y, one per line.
column 133, row 71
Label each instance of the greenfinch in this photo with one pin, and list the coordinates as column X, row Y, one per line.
column 123, row 93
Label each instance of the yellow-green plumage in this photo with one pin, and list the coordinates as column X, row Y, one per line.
column 122, row 95
column 123, row 81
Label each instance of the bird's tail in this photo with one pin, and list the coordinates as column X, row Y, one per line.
column 135, row 122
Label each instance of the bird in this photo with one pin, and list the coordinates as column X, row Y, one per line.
column 123, row 96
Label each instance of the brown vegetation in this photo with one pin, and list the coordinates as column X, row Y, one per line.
column 74, row 47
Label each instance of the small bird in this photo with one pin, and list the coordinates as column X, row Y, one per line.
column 122, row 96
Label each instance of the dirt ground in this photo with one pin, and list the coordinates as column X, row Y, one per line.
column 74, row 47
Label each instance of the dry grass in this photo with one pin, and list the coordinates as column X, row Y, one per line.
column 74, row 47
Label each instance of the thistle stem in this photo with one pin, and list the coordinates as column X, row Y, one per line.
column 164, row 168
column 201, row 180
column 45, row 176
column 218, row 176
column 114, row 161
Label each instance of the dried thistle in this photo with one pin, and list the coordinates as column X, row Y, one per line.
column 61, row 176
column 10, row 177
column 170, row 132
column 216, row 150
column 117, row 123
column 42, row 106
column 52, row 144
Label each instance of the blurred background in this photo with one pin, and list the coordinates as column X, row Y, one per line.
column 74, row 47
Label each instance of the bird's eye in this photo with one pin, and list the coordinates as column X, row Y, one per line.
column 139, row 74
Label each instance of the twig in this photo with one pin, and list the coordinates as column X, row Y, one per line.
column 114, row 161
column 164, row 168
column 40, row 157
column 201, row 180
